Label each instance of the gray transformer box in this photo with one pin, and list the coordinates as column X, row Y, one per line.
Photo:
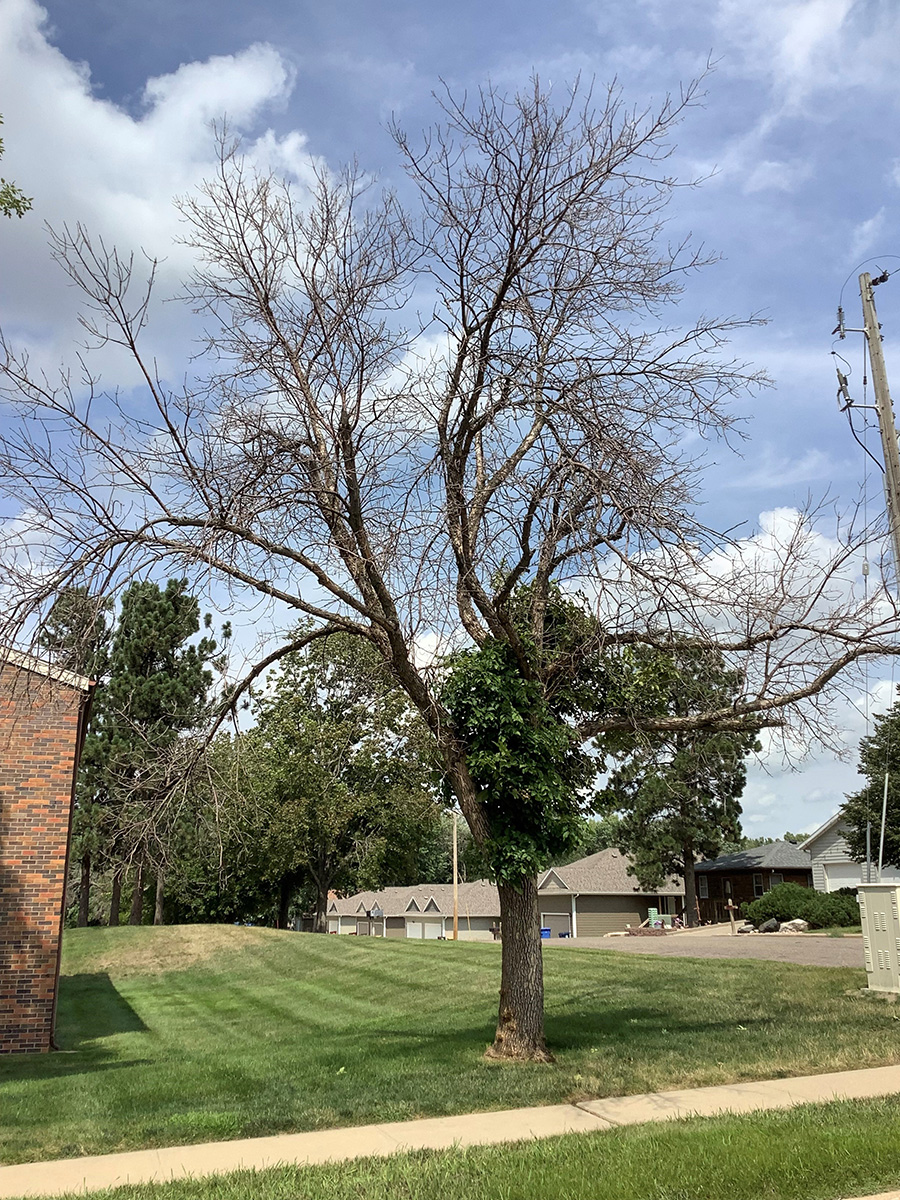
column 879, row 910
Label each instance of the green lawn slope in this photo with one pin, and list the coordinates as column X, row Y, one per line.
column 185, row 1034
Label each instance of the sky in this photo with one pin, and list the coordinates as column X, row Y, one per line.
column 107, row 107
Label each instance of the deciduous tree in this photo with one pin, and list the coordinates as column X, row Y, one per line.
column 13, row 201
column 399, row 481
column 879, row 762
column 678, row 795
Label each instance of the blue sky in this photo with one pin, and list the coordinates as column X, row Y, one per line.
column 107, row 105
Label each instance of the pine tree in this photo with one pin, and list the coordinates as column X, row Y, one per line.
column 77, row 635
column 157, row 689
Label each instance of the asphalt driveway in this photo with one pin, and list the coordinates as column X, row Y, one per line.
column 809, row 950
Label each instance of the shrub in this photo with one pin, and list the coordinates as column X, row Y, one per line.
column 787, row 901
column 783, row 902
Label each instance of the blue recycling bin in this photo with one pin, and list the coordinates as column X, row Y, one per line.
column 545, row 933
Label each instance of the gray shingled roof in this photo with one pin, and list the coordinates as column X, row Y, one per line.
column 775, row 856
column 479, row 899
column 605, row 874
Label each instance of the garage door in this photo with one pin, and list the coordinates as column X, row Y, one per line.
column 557, row 923
column 596, row 924
column 428, row 928
column 840, row 875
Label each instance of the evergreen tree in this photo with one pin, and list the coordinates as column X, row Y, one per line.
column 157, row 689
column 77, row 635
column 678, row 795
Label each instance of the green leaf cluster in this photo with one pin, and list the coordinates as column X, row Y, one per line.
column 533, row 773
column 13, row 201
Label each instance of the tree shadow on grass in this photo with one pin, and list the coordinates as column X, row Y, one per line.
column 642, row 1027
column 90, row 1009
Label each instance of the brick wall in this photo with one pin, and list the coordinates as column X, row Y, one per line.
column 39, row 741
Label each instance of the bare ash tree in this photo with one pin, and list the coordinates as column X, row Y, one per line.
column 409, row 479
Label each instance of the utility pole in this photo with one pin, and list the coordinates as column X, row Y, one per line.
column 455, row 881
column 885, row 411
column 887, row 426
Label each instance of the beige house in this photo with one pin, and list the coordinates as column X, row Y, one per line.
column 588, row 898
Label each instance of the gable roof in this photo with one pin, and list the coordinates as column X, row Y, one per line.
column 478, row 899
column 604, row 874
column 774, row 856
column 823, row 829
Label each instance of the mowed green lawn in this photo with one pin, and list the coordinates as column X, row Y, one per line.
column 186, row 1034
column 818, row 1152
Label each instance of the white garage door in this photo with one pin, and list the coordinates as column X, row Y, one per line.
column 841, row 875
column 428, row 928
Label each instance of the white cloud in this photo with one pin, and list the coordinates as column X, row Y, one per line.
column 780, row 176
column 86, row 160
column 865, row 236
column 805, row 46
column 770, row 468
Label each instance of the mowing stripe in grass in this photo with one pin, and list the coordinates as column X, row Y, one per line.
column 258, row 1032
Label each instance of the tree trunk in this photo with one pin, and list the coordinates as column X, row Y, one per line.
column 115, row 902
column 137, row 896
column 284, row 902
column 160, row 888
column 691, row 907
column 84, row 891
column 321, row 877
column 520, row 1026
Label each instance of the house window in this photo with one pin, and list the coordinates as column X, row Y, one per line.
column 775, row 878
column 702, row 887
column 758, row 888
column 726, row 888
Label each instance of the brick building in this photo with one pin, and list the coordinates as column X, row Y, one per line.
column 748, row 874
column 43, row 716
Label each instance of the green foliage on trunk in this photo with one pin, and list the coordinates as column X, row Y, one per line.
column 517, row 710
column 879, row 755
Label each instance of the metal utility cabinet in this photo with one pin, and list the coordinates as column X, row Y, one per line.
column 879, row 910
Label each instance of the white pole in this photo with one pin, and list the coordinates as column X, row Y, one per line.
column 883, row 820
column 455, row 881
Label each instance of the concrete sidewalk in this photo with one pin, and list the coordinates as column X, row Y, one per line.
column 438, row 1133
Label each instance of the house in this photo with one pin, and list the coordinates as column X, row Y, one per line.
column 43, row 719
column 832, row 866
column 588, row 898
column 747, row 875
column 423, row 912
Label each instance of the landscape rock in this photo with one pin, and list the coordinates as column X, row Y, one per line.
column 747, row 929
column 795, row 926
column 771, row 926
